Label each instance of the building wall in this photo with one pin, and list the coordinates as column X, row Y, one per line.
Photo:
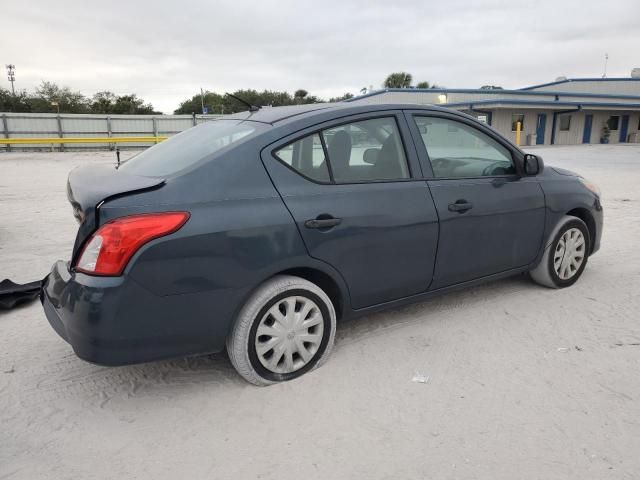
column 627, row 86
column 502, row 118
column 600, row 117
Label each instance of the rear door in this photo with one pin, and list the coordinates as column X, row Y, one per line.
column 491, row 217
column 355, row 191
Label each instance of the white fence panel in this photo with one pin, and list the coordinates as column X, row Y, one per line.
column 51, row 125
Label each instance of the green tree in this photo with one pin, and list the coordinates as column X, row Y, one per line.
column 131, row 104
column 226, row 104
column 213, row 101
column 48, row 94
column 102, row 102
column 398, row 80
column 422, row 85
column 109, row 102
column 346, row 96
column 18, row 103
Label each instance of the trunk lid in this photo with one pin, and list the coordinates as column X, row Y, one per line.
column 89, row 186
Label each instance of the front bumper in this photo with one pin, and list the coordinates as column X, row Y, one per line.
column 116, row 321
column 598, row 217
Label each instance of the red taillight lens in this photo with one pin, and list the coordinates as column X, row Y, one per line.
column 109, row 249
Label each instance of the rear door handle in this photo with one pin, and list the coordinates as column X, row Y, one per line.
column 460, row 206
column 321, row 223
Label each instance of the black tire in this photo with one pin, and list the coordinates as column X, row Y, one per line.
column 242, row 338
column 545, row 273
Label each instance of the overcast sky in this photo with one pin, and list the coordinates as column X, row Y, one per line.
column 166, row 50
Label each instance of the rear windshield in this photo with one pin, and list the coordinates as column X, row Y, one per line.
column 189, row 147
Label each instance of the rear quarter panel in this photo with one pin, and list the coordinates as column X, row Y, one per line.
column 239, row 234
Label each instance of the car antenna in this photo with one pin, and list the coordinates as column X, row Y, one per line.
column 252, row 108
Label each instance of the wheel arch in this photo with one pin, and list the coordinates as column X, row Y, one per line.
column 586, row 216
column 323, row 280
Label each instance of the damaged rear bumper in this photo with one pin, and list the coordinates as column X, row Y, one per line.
column 115, row 321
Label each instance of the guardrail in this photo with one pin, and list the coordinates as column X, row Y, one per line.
column 60, row 141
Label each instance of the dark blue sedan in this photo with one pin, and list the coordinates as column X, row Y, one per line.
column 260, row 231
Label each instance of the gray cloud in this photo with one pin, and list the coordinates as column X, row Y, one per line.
column 165, row 51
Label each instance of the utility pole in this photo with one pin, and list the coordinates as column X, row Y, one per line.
column 202, row 99
column 606, row 59
column 11, row 75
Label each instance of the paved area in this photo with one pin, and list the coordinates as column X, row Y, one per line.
column 524, row 382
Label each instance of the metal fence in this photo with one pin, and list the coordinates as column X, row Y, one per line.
column 76, row 126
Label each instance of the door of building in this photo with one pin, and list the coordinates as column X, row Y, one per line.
column 586, row 134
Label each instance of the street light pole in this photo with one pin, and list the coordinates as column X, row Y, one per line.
column 11, row 75
column 202, row 99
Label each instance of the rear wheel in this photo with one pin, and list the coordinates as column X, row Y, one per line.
column 286, row 329
column 566, row 257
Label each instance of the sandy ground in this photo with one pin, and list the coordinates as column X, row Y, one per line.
column 525, row 382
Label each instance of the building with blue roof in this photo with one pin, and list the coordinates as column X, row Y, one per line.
column 569, row 111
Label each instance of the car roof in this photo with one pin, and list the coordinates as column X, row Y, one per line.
column 273, row 115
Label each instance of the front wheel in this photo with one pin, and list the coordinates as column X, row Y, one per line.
column 286, row 329
column 565, row 258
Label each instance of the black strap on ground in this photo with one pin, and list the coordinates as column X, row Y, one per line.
column 12, row 294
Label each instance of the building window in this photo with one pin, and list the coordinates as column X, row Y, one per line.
column 515, row 119
column 565, row 123
column 613, row 122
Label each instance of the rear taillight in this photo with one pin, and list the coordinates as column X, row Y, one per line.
column 109, row 249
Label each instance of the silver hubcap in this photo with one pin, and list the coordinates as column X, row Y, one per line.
column 569, row 253
column 289, row 334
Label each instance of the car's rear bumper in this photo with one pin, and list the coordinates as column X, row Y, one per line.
column 116, row 321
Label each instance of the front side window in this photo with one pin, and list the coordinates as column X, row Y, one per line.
column 565, row 123
column 514, row 122
column 613, row 122
column 189, row 147
column 367, row 150
column 306, row 156
column 457, row 150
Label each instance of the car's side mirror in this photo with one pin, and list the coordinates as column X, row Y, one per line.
column 533, row 164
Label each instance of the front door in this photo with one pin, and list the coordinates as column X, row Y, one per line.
column 491, row 218
column 540, row 128
column 586, row 134
column 357, row 198
column 624, row 129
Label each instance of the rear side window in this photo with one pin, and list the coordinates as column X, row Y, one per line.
column 306, row 156
column 368, row 150
column 189, row 147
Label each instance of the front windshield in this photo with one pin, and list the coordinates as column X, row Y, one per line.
column 188, row 147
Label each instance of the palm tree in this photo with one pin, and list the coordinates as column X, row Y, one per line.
column 398, row 80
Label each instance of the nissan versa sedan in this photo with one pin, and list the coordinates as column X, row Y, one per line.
column 260, row 231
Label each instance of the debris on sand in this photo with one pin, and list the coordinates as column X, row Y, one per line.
column 420, row 378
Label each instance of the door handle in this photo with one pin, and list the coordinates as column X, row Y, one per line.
column 460, row 206
column 321, row 223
